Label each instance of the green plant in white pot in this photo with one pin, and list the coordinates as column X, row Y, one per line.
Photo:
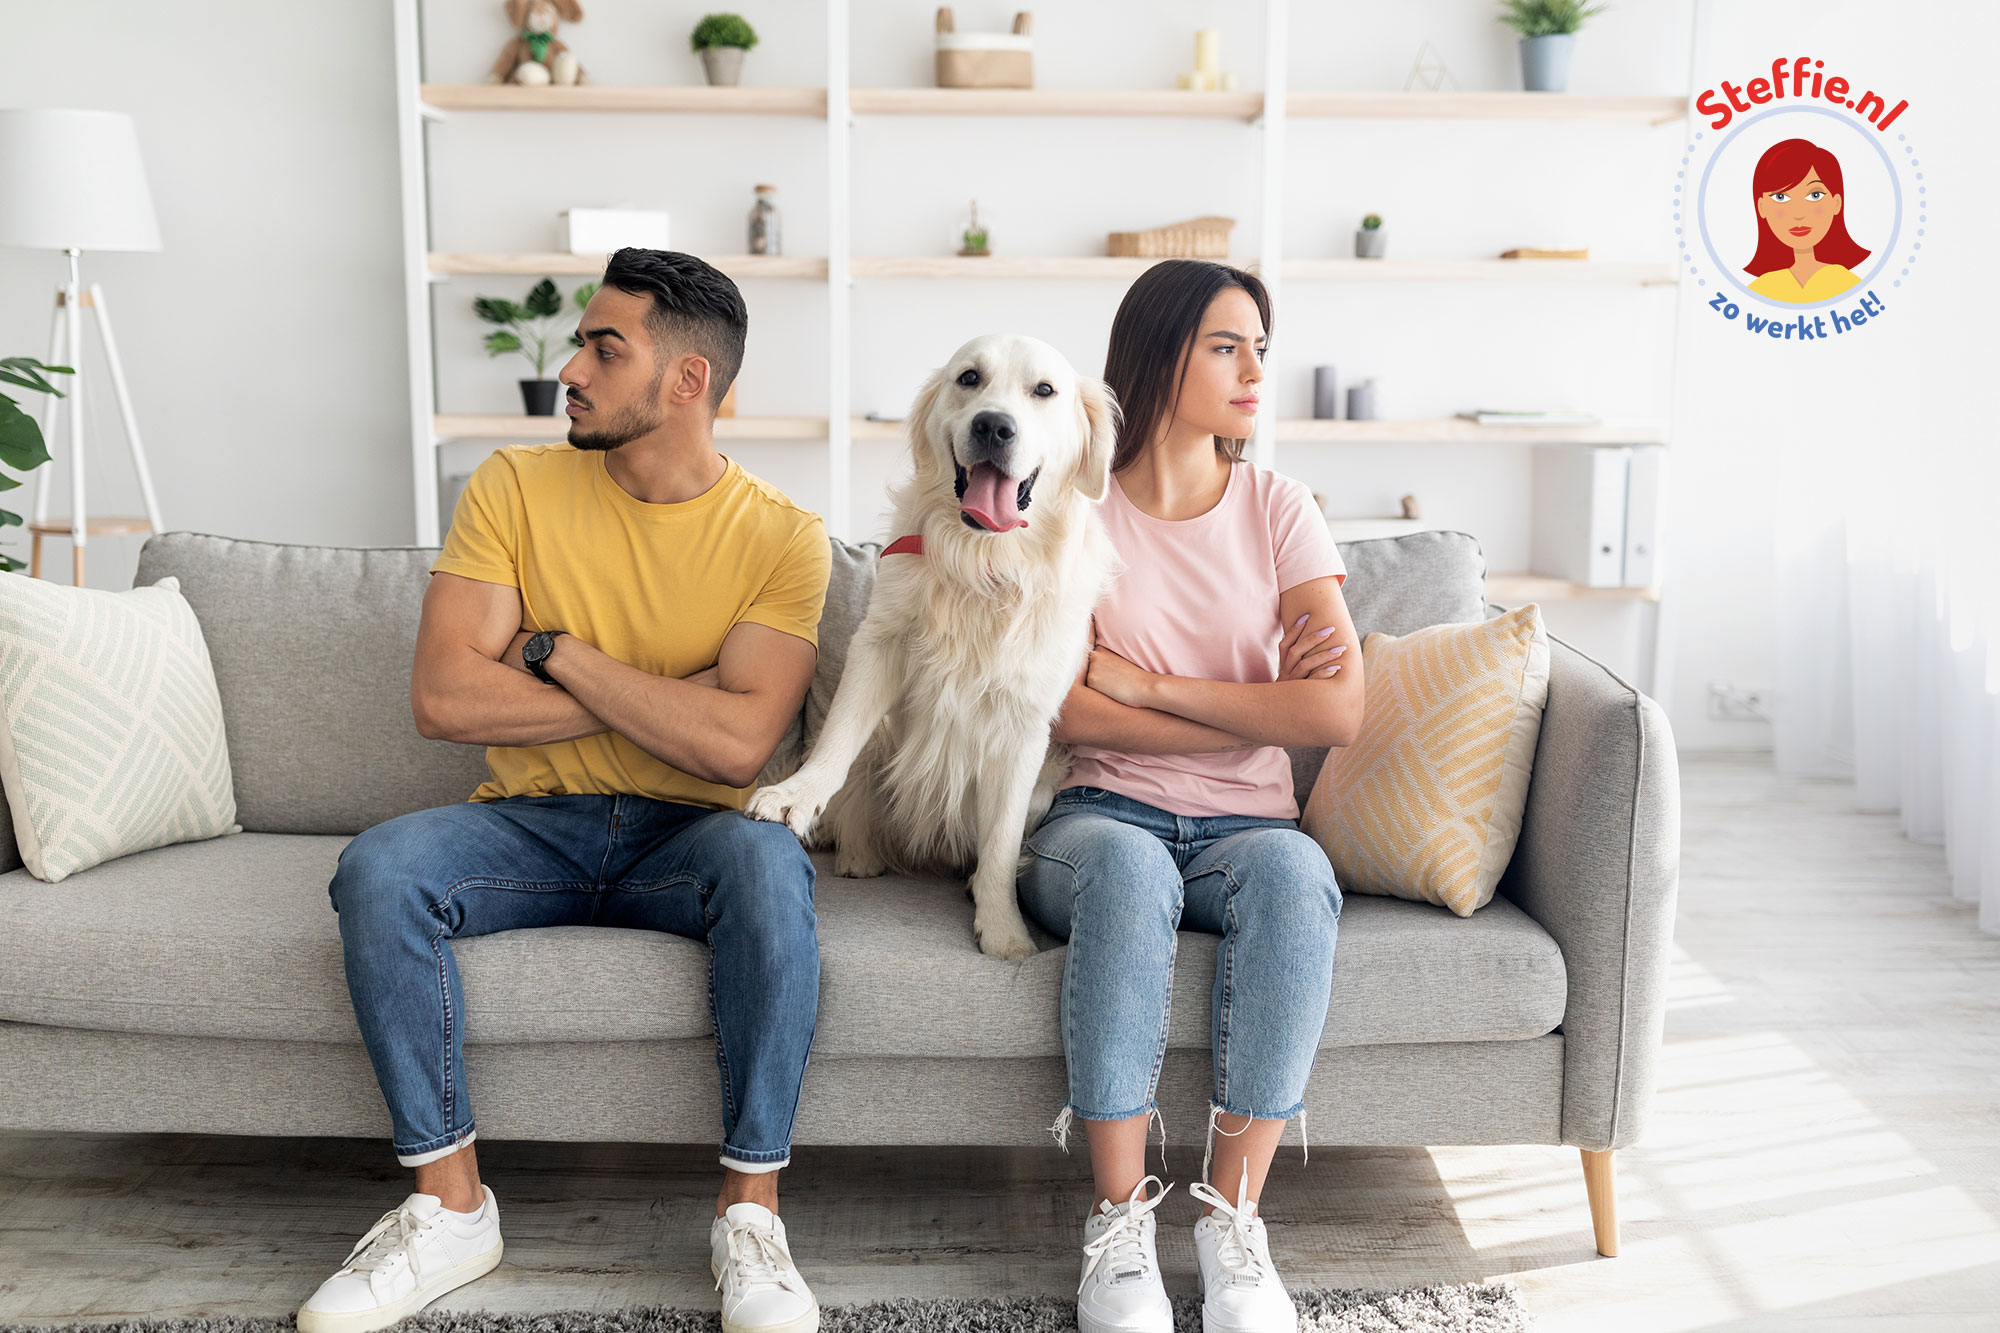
column 21, row 445
column 532, row 328
column 1371, row 242
column 1548, row 32
column 721, row 40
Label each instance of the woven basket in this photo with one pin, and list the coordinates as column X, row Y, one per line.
column 985, row 59
column 1197, row 238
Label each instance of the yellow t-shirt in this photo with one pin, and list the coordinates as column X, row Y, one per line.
column 656, row 586
column 1825, row 284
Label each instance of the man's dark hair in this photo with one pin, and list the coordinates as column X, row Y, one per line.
column 695, row 308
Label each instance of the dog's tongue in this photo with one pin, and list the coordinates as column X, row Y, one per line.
column 991, row 499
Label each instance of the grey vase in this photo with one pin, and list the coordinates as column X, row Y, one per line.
column 1545, row 62
column 724, row 65
column 1370, row 243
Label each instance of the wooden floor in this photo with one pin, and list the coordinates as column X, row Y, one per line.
column 1824, row 1154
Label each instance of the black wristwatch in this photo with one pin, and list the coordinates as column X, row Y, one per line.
column 535, row 652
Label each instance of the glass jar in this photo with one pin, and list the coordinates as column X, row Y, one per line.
column 765, row 238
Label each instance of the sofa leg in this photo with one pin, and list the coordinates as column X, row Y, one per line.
column 1602, row 1187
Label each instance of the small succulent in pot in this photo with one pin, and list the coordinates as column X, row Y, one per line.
column 1371, row 242
column 721, row 40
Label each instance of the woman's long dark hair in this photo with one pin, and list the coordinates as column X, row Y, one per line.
column 1152, row 337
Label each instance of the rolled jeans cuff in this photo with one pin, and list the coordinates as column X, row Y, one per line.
column 756, row 1164
column 432, row 1154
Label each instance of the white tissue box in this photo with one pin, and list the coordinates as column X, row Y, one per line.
column 599, row 231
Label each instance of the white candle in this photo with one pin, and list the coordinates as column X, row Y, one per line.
column 1208, row 53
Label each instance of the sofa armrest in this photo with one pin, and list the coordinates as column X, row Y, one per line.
column 1598, row 866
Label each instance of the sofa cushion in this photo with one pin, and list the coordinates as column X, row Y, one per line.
column 237, row 938
column 312, row 648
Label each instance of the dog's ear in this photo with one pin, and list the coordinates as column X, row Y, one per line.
column 917, row 425
column 1100, row 420
column 517, row 13
column 571, row 11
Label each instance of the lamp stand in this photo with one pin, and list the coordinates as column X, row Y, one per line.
column 66, row 348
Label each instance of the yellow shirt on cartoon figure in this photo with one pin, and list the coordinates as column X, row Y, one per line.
column 1825, row 284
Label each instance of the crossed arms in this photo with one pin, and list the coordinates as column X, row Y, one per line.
column 1115, row 705
column 719, row 725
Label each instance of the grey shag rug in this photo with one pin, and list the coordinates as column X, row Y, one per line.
column 1489, row 1307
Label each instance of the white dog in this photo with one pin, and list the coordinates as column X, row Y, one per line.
column 936, row 752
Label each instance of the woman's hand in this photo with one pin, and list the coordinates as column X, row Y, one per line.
column 1307, row 654
column 1115, row 677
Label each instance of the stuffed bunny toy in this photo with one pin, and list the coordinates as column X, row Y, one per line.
column 535, row 56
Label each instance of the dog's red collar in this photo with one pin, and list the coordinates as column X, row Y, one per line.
column 911, row 545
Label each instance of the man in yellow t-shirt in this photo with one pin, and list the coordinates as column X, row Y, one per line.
column 628, row 622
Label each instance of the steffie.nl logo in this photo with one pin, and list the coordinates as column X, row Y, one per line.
column 1796, row 212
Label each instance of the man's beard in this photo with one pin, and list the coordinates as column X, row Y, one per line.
column 635, row 420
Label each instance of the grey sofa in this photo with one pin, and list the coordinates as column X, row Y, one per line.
column 199, row 988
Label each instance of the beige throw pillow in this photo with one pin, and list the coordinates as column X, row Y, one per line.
column 1426, row 804
column 111, row 736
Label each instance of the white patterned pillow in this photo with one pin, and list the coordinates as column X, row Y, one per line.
column 111, row 736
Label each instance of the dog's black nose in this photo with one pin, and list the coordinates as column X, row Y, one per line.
column 993, row 428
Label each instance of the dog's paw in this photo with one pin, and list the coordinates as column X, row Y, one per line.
column 1003, row 939
column 858, row 863
column 790, row 803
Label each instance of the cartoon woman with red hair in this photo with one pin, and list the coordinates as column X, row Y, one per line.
column 1803, row 249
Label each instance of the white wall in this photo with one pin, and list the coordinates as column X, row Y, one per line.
column 265, row 342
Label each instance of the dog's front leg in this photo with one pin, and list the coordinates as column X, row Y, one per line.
column 867, row 689
column 1003, row 814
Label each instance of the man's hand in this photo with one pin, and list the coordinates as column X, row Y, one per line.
column 710, row 676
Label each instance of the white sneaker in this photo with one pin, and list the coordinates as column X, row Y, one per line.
column 761, row 1290
column 1121, row 1291
column 414, row 1255
column 1240, row 1289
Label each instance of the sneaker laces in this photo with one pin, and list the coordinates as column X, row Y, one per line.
column 1241, row 1261
column 757, row 1257
column 1123, row 1239
column 394, row 1237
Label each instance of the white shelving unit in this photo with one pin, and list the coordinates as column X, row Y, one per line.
column 1266, row 112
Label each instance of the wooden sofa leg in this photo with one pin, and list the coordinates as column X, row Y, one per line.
column 1602, row 1187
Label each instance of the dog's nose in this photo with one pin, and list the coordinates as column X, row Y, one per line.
column 993, row 428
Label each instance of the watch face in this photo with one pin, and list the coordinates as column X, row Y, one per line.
column 535, row 650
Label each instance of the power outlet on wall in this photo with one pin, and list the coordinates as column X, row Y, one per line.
column 1738, row 703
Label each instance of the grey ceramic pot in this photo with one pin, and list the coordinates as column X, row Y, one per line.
column 1370, row 244
column 724, row 65
column 1545, row 62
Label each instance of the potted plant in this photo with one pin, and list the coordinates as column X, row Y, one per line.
column 1371, row 241
column 530, row 328
column 972, row 236
column 721, row 40
column 1548, row 31
column 21, row 445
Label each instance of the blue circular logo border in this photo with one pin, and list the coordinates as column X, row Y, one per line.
column 1883, row 255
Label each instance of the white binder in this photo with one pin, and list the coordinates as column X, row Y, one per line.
column 1579, row 513
column 1642, row 516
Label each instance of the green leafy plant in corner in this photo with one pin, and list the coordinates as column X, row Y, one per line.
column 21, row 445
column 531, row 327
column 722, row 30
column 1546, row 18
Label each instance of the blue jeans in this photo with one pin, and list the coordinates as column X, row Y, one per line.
column 409, row 886
column 1116, row 878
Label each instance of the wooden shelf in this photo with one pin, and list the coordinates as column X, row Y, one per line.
column 94, row 525
column 553, row 262
column 1511, row 590
column 1163, row 102
column 1481, row 270
column 555, row 428
column 1484, row 106
column 1458, row 430
column 688, row 99
column 997, row 266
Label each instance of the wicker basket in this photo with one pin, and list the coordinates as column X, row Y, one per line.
column 985, row 59
column 1197, row 238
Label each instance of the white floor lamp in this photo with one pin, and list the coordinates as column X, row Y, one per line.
column 73, row 181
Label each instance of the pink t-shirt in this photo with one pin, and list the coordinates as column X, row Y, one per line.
column 1199, row 597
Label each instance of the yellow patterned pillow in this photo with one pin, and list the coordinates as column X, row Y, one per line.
column 1427, row 802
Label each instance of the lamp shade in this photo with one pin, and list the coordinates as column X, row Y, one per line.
column 73, row 180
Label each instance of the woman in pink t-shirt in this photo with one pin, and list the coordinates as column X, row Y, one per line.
column 1224, row 640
